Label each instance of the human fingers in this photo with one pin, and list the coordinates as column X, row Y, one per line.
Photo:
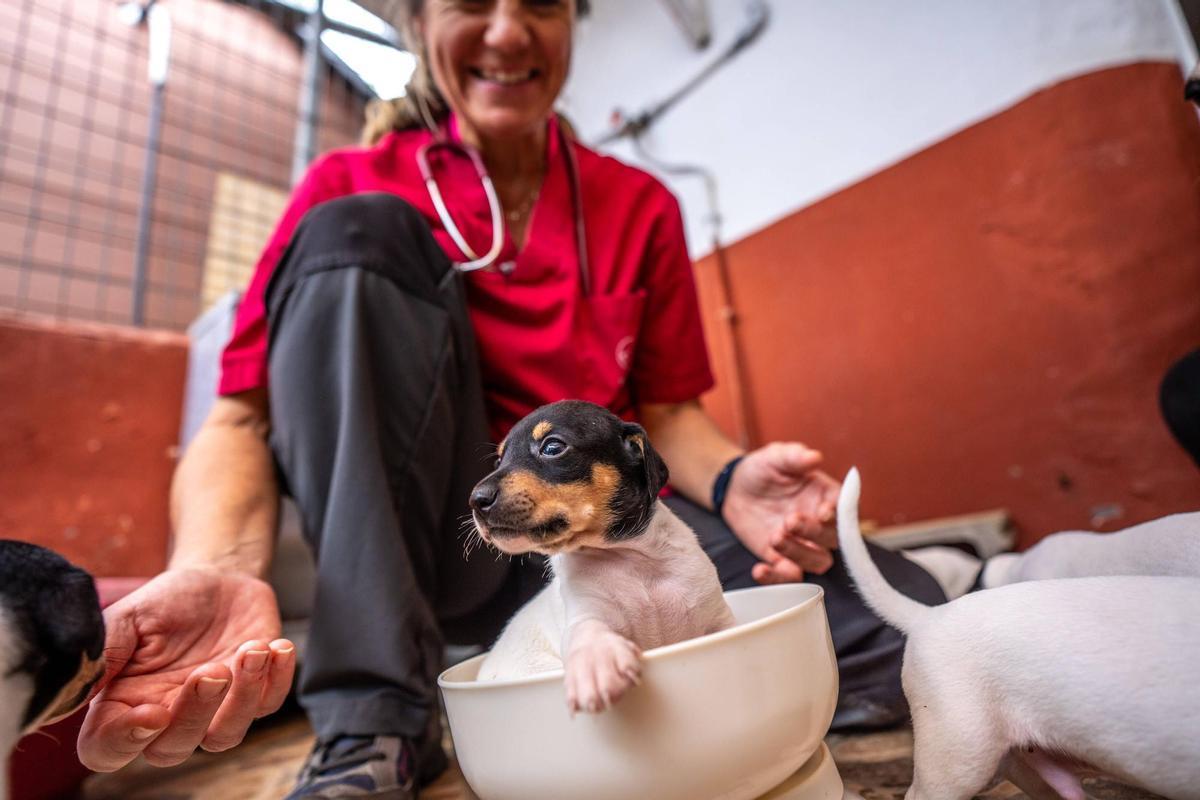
column 826, row 536
column 191, row 713
column 803, row 527
column 279, row 677
column 800, row 522
column 794, row 458
column 782, row 571
column 807, row 554
column 829, row 488
column 251, row 665
column 120, row 642
column 113, row 734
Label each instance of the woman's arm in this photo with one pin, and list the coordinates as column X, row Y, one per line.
column 777, row 502
column 224, row 497
column 692, row 445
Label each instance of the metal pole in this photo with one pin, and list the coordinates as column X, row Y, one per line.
column 159, row 23
column 308, row 114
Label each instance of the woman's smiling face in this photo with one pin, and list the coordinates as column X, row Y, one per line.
column 500, row 64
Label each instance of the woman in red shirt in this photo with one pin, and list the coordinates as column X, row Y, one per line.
column 364, row 377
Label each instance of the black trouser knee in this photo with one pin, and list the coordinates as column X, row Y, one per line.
column 379, row 433
column 869, row 651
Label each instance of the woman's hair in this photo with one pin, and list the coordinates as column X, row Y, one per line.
column 422, row 103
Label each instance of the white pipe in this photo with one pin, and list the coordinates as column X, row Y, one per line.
column 159, row 22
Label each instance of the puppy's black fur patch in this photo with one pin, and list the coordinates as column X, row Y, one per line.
column 55, row 609
column 579, row 444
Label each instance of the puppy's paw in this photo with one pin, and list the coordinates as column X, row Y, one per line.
column 600, row 670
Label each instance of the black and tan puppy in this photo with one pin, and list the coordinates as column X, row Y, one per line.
column 576, row 483
column 51, row 641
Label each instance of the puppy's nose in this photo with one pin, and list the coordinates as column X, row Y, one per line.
column 483, row 496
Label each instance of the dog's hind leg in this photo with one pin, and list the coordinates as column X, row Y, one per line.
column 952, row 759
column 1042, row 776
column 949, row 776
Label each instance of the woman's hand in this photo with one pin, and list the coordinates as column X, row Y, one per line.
column 779, row 504
column 193, row 657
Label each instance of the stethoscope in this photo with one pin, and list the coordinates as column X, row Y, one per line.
column 476, row 261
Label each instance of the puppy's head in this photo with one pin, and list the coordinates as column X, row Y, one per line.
column 570, row 475
column 51, row 629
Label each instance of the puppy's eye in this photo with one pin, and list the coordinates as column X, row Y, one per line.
column 552, row 446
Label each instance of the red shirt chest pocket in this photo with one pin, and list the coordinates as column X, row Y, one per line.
column 606, row 331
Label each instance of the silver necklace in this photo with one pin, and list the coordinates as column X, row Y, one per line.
column 518, row 213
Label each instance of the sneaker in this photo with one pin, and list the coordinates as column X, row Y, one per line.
column 377, row 767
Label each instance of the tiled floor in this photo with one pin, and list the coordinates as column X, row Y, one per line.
column 878, row 766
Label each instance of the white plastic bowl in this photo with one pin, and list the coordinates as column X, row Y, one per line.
column 727, row 716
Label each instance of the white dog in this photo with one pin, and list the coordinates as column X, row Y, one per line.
column 1101, row 673
column 1166, row 546
column 578, row 484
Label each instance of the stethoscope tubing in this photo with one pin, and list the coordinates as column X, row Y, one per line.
column 498, row 228
column 476, row 261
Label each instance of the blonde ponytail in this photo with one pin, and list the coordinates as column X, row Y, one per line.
column 422, row 104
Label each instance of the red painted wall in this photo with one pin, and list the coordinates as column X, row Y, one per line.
column 985, row 323
column 88, row 428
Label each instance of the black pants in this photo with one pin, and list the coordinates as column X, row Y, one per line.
column 379, row 434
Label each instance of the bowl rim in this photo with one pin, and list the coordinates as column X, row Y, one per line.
column 556, row 675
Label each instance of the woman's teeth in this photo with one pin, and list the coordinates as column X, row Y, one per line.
column 504, row 77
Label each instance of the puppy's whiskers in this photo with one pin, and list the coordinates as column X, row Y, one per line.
column 469, row 533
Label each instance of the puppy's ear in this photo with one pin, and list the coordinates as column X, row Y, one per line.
column 637, row 443
column 69, row 629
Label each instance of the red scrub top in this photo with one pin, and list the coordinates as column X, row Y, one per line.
column 636, row 338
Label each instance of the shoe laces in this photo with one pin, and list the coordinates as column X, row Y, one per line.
column 336, row 755
column 325, row 761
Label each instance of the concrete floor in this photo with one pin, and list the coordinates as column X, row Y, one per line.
column 877, row 765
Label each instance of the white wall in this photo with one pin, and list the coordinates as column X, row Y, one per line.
column 835, row 90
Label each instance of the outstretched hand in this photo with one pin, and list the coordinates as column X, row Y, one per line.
column 781, row 506
column 193, row 657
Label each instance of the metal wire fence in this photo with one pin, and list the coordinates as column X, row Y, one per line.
column 76, row 120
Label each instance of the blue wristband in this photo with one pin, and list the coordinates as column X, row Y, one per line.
column 721, row 485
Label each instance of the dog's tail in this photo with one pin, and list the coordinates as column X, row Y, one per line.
column 895, row 608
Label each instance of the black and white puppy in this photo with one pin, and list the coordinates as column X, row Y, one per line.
column 51, row 641
column 578, row 484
